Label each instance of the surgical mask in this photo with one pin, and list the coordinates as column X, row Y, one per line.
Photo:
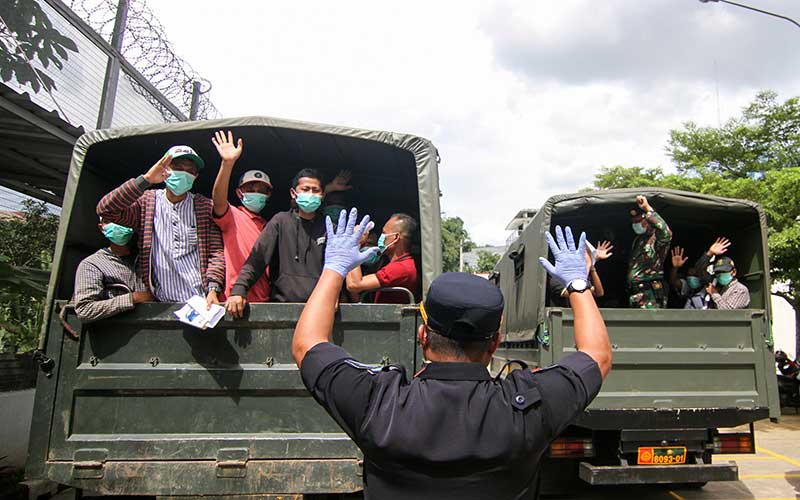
column 638, row 228
column 308, row 202
column 179, row 182
column 382, row 246
column 724, row 279
column 255, row 202
column 694, row 282
column 373, row 258
column 116, row 234
column 333, row 212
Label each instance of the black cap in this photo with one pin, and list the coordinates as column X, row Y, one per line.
column 723, row 265
column 463, row 307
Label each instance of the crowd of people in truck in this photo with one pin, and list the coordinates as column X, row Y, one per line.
column 708, row 284
column 170, row 244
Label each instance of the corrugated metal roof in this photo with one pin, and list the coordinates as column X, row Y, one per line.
column 35, row 147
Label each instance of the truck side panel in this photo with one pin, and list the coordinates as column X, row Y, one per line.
column 142, row 392
column 675, row 358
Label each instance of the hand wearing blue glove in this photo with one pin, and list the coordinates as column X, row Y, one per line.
column 341, row 246
column 570, row 261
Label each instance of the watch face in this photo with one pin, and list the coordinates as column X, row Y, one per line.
column 578, row 285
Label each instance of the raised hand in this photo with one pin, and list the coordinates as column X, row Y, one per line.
column 341, row 182
column 678, row 259
column 719, row 247
column 570, row 261
column 342, row 252
column 604, row 250
column 228, row 151
column 644, row 205
column 159, row 172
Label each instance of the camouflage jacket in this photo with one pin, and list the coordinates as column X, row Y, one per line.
column 650, row 251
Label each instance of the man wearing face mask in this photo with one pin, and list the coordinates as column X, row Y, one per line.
column 180, row 247
column 691, row 288
column 726, row 291
column 646, row 264
column 240, row 225
column 292, row 245
column 105, row 282
column 395, row 243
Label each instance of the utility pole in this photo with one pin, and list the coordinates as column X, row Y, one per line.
column 108, row 98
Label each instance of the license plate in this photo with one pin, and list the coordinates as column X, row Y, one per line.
column 662, row 455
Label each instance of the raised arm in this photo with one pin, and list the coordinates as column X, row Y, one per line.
column 122, row 204
column 229, row 153
column 678, row 260
column 342, row 255
column 591, row 336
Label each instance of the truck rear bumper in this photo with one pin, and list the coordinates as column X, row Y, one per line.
column 655, row 474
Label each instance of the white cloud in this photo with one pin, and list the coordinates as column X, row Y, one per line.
column 523, row 99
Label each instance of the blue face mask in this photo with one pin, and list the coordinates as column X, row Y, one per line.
column 724, row 279
column 255, row 202
column 179, row 182
column 694, row 282
column 309, row 202
column 638, row 228
column 116, row 234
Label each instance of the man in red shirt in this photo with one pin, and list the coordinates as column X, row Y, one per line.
column 401, row 271
column 240, row 225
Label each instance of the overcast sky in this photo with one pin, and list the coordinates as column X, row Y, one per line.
column 524, row 99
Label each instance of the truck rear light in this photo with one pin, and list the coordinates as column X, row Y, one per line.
column 571, row 447
column 734, row 442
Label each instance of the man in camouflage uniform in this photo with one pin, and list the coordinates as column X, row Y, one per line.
column 646, row 266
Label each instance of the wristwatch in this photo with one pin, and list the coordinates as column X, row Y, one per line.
column 578, row 285
column 213, row 287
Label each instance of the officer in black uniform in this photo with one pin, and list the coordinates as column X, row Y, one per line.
column 451, row 431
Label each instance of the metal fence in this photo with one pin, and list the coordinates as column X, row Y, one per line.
column 123, row 71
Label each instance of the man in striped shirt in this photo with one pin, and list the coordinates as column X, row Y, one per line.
column 180, row 247
column 106, row 283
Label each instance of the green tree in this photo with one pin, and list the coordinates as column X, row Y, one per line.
column 754, row 156
column 27, row 242
column 31, row 36
column 453, row 236
column 486, row 261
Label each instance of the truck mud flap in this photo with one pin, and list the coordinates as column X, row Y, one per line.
column 655, row 474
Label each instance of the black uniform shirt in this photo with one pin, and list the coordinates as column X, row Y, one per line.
column 450, row 432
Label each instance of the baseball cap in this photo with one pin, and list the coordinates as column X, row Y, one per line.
column 463, row 306
column 254, row 176
column 186, row 152
column 723, row 265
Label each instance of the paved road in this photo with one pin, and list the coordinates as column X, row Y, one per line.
column 773, row 473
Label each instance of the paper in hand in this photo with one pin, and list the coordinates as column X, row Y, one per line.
column 195, row 313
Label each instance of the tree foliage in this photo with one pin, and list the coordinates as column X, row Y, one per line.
column 27, row 242
column 755, row 156
column 453, row 236
column 33, row 34
column 486, row 261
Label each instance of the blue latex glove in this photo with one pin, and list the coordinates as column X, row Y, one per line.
column 341, row 246
column 570, row 262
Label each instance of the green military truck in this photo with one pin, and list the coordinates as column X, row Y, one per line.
column 681, row 378
column 141, row 404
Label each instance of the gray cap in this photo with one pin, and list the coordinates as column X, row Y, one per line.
column 255, row 176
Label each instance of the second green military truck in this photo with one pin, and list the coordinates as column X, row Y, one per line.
column 681, row 379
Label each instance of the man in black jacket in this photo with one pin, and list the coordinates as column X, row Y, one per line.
column 292, row 245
